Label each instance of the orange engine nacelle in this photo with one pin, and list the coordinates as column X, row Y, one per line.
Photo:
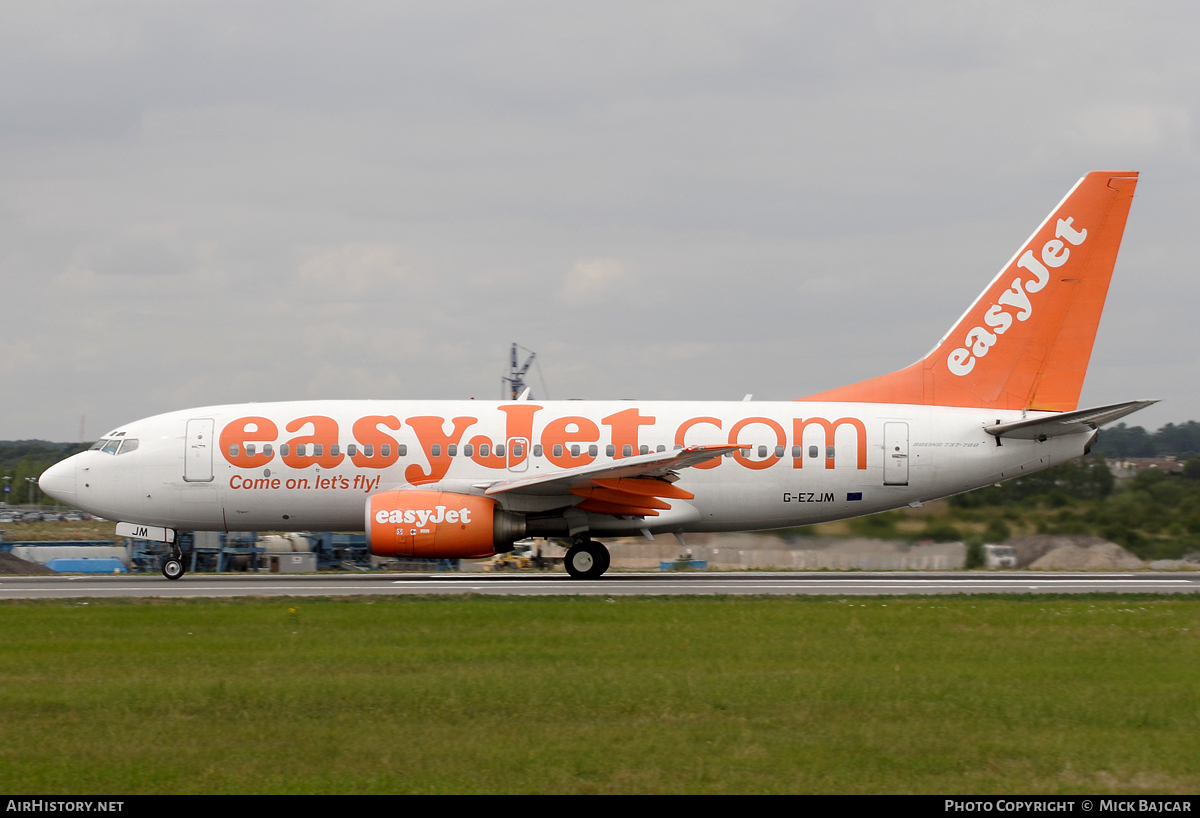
column 439, row 525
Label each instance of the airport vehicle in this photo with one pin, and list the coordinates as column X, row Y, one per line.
column 525, row 554
column 995, row 398
column 999, row 556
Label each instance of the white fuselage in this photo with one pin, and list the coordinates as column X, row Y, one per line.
column 191, row 469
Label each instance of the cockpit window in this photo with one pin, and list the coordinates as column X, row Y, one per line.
column 98, row 444
column 111, row 446
column 128, row 445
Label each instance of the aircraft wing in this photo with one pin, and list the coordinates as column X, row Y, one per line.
column 635, row 485
column 1066, row 423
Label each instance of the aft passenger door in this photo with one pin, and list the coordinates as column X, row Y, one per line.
column 895, row 454
column 198, row 452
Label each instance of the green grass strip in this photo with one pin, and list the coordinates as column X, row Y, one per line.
column 1048, row 694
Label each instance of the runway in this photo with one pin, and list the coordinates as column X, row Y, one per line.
column 741, row 583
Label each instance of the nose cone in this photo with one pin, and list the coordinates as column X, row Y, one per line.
column 58, row 481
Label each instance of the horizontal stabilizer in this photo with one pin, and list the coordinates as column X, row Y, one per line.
column 1066, row 423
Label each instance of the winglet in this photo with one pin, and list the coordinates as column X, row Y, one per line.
column 1026, row 341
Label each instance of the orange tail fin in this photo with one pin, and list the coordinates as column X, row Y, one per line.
column 1026, row 341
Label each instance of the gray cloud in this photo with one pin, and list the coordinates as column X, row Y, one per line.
column 228, row 202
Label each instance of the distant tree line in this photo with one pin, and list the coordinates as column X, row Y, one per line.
column 1055, row 487
column 21, row 459
column 1182, row 441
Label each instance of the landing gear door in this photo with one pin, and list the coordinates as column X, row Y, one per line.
column 895, row 454
column 198, row 454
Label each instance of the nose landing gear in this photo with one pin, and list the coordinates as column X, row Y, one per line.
column 587, row 559
column 172, row 567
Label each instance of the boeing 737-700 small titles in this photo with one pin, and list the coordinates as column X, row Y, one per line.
column 996, row 398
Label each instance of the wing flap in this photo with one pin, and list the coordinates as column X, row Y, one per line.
column 620, row 498
column 615, row 509
column 650, row 488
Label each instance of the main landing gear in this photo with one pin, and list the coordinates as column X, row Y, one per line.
column 172, row 567
column 587, row 559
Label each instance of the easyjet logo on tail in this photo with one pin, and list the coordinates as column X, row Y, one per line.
column 1054, row 255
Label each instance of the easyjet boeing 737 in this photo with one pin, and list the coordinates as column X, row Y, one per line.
column 996, row 398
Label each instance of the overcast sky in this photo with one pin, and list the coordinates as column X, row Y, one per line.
column 222, row 202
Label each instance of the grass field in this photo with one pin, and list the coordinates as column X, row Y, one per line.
column 936, row 694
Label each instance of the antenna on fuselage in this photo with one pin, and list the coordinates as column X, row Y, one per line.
column 514, row 383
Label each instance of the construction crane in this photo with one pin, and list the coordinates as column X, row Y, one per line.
column 515, row 380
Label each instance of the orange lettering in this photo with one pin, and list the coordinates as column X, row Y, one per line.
column 625, row 429
column 430, row 433
column 325, row 435
column 518, row 424
column 682, row 430
column 367, row 433
column 565, row 431
column 238, row 433
column 757, row 465
column 798, row 425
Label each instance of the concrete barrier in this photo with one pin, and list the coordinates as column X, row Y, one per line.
column 768, row 552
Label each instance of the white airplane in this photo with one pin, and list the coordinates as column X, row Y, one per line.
column 996, row 398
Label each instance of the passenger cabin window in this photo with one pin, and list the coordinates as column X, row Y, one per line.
column 795, row 451
column 575, row 450
column 452, row 450
column 627, row 450
column 499, row 450
column 779, row 451
column 301, row 450
column 249, row 449
column 368, row 450
column 558, row 450
column 593, row 450
column 829, row 452
column 537, row 450
column 318, row 449
column 762, row 452
column 352, row 450
column 661, row 449
column 268, row 450
column 812, row 451
column 402, row 450
column 518, row 450
column 644, row 449
column 284, row 449
column 233, row 450
column 610, row 450
column 468, row 450
column 435, row 450
column 335, row 450
column 484, row 449
column 385, row 450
